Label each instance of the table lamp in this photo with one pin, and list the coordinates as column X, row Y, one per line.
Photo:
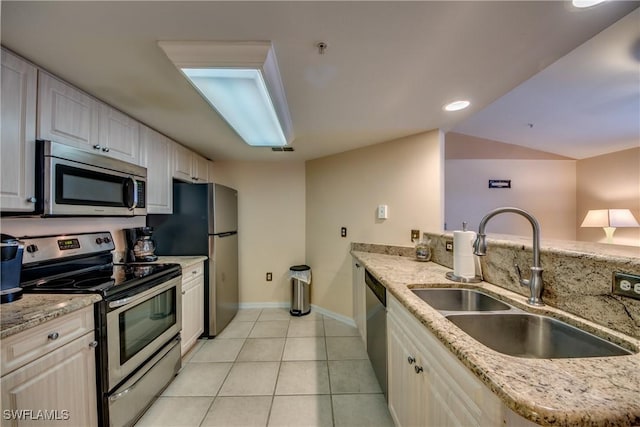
column 609, row 219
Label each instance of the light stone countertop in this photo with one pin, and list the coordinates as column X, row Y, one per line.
column 33, row 309
column 600, row 391
column 184, row 261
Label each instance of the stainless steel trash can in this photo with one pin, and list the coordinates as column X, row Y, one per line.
column 300, row 280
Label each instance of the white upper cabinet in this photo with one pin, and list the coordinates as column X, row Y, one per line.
column 189, row 166
column 17, row 150
column 65, row 114
column 200, row 169
column 69, row 116
column 156, row 154
column 119, row 135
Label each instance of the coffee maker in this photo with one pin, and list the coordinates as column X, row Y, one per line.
column 11, row 251
column 140, row 245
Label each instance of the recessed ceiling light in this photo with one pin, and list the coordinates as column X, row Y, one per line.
column 586, row 3
column 457, row 105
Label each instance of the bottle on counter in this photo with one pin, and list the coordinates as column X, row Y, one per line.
column 423, row 249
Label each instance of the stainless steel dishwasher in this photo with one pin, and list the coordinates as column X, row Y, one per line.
column 376, row 301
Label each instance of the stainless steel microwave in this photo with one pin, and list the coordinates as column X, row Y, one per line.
column 73, row 182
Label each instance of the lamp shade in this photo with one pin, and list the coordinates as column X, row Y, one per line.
column 609, row 218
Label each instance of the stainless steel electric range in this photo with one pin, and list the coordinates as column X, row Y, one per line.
column 138, row 321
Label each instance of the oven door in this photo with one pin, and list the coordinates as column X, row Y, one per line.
column 140, row 325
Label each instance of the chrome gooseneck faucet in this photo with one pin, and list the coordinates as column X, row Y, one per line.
column 534, row 283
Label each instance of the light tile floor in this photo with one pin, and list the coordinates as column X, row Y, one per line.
column 268, row 368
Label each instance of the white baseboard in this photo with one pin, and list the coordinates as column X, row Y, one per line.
column 328, row 313
column 244, row 305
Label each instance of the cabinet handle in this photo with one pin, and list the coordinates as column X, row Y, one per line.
column 97, row 147
column 31, row 199
column 194, row 272
column 184, row 292
column 53, row 336
column 194, row 178
column 418, row 369
column 357, row 265
column 93, row 344
column 105, row 149
column 411, row 360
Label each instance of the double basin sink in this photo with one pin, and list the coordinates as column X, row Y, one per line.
column 510, row 331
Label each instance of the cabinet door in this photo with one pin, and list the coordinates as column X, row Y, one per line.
column 66, row 115
column 182, row 163
column 192, row 311
column 210, row 173
column 119, row 135
column 407, row 378
column 63, row 382
column 156, row 154
column 200, row 167
column 18, row 106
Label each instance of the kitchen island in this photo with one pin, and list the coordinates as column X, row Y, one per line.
column 600, row 391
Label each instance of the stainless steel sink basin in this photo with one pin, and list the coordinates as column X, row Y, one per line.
column 459, row 300
column 533, row 336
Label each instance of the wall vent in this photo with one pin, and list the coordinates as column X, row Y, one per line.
column 281, row 148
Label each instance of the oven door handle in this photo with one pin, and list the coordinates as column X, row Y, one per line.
column 144, row 295
column 123, row 301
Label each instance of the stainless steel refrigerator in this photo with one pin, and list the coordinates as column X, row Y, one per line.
column 205, row 222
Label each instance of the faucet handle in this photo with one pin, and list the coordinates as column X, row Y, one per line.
column 522, row 281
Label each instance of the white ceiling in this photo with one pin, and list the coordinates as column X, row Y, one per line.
column 585, row 104
column 388, row 69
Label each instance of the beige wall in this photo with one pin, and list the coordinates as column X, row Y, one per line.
column 47, row 226
column 344, row 190
column 545, row 188
column 611, row 181
column 271, row 224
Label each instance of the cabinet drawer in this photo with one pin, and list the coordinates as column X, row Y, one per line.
column 192, row 272
column 24, row 347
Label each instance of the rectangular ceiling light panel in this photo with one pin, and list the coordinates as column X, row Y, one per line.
column 241, row 81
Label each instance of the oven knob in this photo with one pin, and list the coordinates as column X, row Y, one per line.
column 32, row 248
column 99, row 240
column 106, row 240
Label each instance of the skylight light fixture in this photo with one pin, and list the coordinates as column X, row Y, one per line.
column 457, row 105
column 241, row 81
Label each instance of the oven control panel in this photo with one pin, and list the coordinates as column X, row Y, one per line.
column 47, row 248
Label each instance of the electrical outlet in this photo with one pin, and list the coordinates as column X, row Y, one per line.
column 448, row 245
column 415, row 235
column 627, row 285
column 343, row 232
column 269, row 277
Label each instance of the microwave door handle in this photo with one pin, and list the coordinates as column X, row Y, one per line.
column 131, row 193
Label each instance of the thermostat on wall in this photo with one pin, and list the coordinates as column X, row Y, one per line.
column 383, row 212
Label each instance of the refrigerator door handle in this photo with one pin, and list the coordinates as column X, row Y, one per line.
column 228, row 233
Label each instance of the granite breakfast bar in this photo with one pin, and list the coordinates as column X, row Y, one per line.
column 600, row 391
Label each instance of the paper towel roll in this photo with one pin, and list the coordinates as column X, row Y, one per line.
column 463, row 259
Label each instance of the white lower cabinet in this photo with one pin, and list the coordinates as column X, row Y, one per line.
column 53, row 385
column 429, row 386
column 192, row 305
